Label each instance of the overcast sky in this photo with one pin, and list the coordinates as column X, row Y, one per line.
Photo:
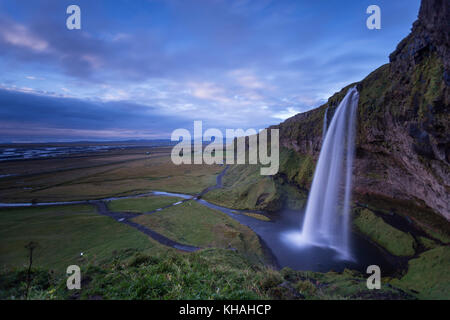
column 140, row 69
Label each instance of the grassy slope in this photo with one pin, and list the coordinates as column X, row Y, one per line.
column 206, row 274
column 345, row 285
column 245, row 188
column 63, row 232
column 298, row 169
column 428, row 274
column 192, row 223
column 144, row 204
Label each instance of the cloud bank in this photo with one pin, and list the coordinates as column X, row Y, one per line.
column 144, row 68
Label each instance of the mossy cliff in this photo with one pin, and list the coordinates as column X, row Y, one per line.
column 402, row 144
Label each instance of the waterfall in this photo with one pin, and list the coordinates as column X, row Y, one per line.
column 326, row 221
column 324, row 128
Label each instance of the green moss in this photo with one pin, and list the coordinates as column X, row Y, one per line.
column 372, row 102
column 306, row 288
column 298, row 169
column 437, row 234
column 393, row 240
column 423, row 218
column 256, row 216
column 348, row 284
column 427, row 83
column 375, row 175
column 427, row 243
column 245, row 188
column 428, row 274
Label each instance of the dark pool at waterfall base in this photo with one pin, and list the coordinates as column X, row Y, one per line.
column 276, row 235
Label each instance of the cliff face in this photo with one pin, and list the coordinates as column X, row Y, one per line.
column 429, row 33
column 403, row 136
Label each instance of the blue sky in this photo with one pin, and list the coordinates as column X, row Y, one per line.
column 140, row 69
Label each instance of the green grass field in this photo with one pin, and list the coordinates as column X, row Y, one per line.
column 62, row 233
column 93, row 179
column 194, row 224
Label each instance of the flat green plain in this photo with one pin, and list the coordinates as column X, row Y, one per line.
column 62, row 234
column 194, row 224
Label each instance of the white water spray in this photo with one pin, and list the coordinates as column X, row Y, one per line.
column 327, row 211
column 325, row 122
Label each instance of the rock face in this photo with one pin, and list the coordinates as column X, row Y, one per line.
column 430, row 32
column 403, row 136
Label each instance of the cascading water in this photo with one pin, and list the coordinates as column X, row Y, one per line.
column 326, row 219
column 325, row 122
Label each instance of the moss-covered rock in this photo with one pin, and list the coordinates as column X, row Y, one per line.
column 427, row 243
column 393, row 240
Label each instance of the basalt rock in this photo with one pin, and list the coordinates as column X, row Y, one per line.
column 431, row 32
